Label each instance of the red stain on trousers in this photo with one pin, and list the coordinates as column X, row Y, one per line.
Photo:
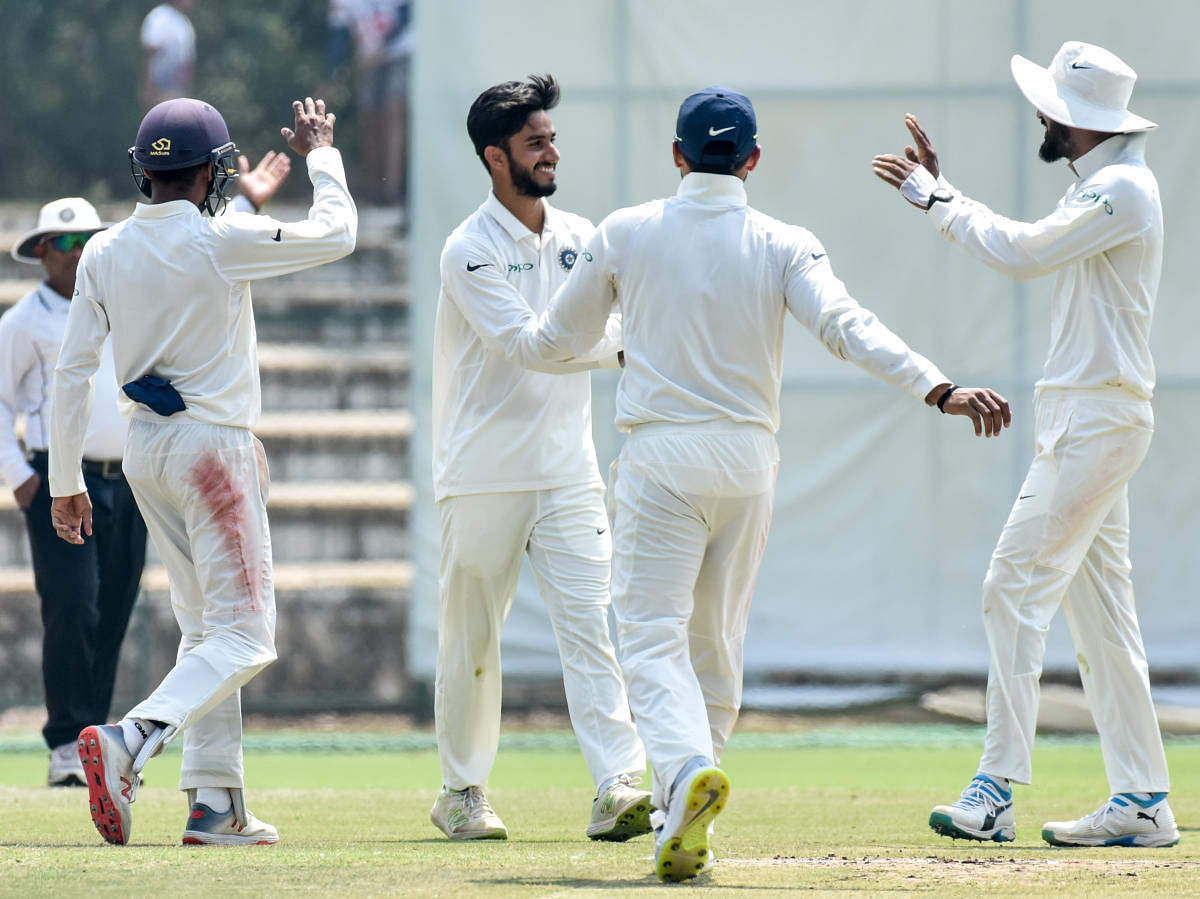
column 227, row 505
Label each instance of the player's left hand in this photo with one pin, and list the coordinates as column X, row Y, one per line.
column 70, row 515
column 896, row 169
column 259, row 185
column 989, row 411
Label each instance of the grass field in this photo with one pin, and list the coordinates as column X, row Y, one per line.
column 827, row 812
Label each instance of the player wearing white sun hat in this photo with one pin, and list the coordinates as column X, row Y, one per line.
column 1066, row 541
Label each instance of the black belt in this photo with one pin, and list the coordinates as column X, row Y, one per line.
column 110, row 469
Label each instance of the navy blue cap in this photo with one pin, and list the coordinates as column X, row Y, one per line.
column 179, row 133
column 717, row 114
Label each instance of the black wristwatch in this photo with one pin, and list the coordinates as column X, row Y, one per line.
column 939, row 195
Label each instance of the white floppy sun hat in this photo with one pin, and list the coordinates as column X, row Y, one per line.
column 1084, row 87
column 65, row 216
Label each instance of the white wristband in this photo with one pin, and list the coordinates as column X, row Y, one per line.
column 919, row 186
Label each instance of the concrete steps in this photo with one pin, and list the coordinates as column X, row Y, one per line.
column 335, row 376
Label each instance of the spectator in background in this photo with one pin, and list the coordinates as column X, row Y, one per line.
column 169, row 43
column 380, row 33
column 87, row 591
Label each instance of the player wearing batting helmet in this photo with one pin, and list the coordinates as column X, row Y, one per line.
column 172, row 287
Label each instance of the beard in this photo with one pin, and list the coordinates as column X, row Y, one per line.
column 1056, row 144
column 523, row 182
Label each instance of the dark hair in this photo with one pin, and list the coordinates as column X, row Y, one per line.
column 714, row 150
column 501, row 111
column 182, row 177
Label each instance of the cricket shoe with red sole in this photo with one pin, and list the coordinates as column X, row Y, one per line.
column 208, row 828
column 112, row 785
column 682, row 848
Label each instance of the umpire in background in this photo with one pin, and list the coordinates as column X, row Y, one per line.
column 87, row 591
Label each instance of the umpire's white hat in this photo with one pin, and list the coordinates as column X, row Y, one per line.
column 70, row 215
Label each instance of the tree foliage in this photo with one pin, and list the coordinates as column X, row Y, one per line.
column 70, row 71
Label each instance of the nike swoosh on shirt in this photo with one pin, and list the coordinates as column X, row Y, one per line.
column 278, row 235
column 713, row 132
column 472, row 268
column 817, row 256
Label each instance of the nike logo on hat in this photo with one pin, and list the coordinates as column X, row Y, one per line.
column 1076, row 65
column 278, row 235
column 713, row 132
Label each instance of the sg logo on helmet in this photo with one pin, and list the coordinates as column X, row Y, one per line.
column 161, row 147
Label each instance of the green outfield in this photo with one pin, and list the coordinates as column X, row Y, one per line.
column 827, row 811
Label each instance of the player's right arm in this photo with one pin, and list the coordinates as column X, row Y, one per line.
column 78, row 359
column 17, row 359
column 473, row 278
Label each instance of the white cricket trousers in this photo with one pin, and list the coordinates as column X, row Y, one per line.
column 1067, row 541
column 565, row 532
column 202, row 490
column 691, row 507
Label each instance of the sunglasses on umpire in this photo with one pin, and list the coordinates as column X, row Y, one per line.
column 65, row 243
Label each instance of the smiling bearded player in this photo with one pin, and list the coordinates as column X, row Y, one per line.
column 515, row 473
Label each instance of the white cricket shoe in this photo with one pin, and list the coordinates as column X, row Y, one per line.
column 208, row 828
column 681, row 849
column 466, row 815
column 620, row 812
column 112, row 785
column 983, row 812
column 1122, row 821
column 66, row 770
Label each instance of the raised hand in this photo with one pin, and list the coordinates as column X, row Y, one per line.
column 313, row 127
column 259, row 185
column 924, row 154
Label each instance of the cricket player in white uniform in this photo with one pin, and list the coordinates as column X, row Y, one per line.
column 173, row 288
column 515, row 474
column 1066, row 541
column 703, row 283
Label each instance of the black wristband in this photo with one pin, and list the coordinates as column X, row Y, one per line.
column 941, row 403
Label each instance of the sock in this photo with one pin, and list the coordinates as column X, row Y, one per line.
column 216, row 798
column 1002, row 782
column 136, row 731
column 1146, row 799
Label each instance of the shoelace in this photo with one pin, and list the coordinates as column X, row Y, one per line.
column 630, row 780
column 476, row 803
column 980, row 793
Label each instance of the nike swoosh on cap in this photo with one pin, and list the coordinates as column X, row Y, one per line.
column 1076, row 65
column 713, row 132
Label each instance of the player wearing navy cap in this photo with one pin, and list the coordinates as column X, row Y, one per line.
column 703, row 282
column 173, row 288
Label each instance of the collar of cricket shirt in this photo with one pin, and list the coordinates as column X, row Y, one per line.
column 514, row 226
column 1109, row 151
column 712, row 190
column 166, row 210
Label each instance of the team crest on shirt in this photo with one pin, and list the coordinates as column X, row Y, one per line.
column 567, row 257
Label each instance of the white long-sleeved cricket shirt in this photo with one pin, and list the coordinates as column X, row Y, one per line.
column 1103, row 242
column 173, row 288
column 702, row 281
column 31, row 333
column 497, row 426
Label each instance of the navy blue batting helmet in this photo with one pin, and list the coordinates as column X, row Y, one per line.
column 180, row 134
